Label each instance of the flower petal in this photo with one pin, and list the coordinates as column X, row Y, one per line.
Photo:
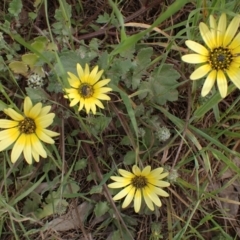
column 13, row 114
column 18, row 148
column 27, row 105
column 73, row 80
column 129, row 197
column 123, row 193
column 159, row 183
column 35, row 111
column 136, row 171
column 149, row 191
column 125, row 173
column 80, row 71
column 4, row 123
column 44, row 121
column 194, row 58
column 207, row 36
column 156, row 173
column 234, row 74
column 101, row 83
column 137, row 200
column 209, row 82
column 12, row 134
column 146, row 171
column 235, row 43
column 160, row 192
column 213, row 26
column 222, row 83
column 148, row 200
column 196, row 47
column 200, row 72
column 43, row 136
column 231, row 31
column 27, row 150
column 222, row 23
column 37, row 146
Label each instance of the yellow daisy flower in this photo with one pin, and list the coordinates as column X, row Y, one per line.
column 27, row 131
column 86, row 89
column 221, row 57
column 144, row 184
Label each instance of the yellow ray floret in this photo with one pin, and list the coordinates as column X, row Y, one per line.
column 27, row 131
column 86, row 89
column 220, row 59
column 139, row 184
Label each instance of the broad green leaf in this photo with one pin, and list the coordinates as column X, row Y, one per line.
column 30, row 59
column 80, row 164
column 15, row 7
column 19, row 67
column 105, row 18
column 119, row 69
column 129, row 158
column 101, row 208
column 38, row 46
column 144, row 57
column 64, row 12
column 37, row 94
column 162, row 85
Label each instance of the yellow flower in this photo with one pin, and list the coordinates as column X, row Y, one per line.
column 145, row 183
column 86, row 89
column 221, row 58
column 27, row 131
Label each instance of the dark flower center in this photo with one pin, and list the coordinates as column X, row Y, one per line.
column 139, row 181
column 86, row 90
column 27, row 126
column 220, row 58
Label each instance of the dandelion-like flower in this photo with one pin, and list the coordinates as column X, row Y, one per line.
column 221, row 58
column 144, row 184
column 27, row 131
column 86, row 89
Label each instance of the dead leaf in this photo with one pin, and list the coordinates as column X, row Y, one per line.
column 229, row 208
column 70, row 220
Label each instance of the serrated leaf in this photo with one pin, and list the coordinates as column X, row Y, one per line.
column 60, row 15
column 144, row 57
column 69, row 60
column 37, row 94
column 80, row 164
column 103, row 60
column 144, row 85
column 105, row 18
column 101, row 208
column 162, row 85
column 119, row 68
column 15, row 7
column 94, row 44
column 125, row 141
column 32, row 204
column 96, row 189
column 136, row 79
column 51, row 208
column 19, row 67
column 129, row 158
